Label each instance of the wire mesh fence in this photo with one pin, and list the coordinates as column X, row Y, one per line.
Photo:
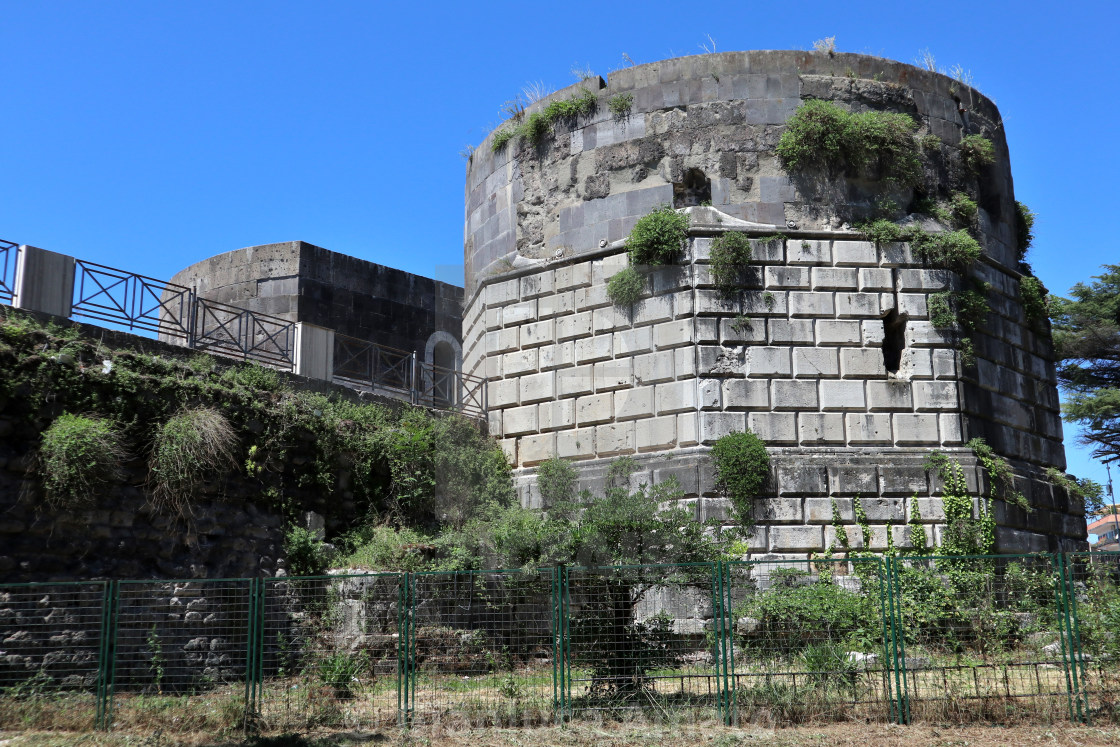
column 481, row 647
column 772, row 641
column 51, row 655
column 641, row 639
column 182, row 647
column 983, row 638
column 329, row 652
column 1094, row 586
column 811, row 641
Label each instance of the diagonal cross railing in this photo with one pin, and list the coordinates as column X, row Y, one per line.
column 9, row 250
column 241, row 333
column 448, row 389
column 136, row 301
column 364, row 364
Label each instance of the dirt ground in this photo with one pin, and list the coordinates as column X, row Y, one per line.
column 620, row 735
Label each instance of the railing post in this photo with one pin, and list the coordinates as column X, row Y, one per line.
column 415, row 383
column 44, row 281
column 107, row 653
column 314, row 351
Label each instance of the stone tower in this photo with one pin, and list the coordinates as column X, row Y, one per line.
column 828, row 353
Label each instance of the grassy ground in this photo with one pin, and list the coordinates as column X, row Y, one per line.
column 618, row 735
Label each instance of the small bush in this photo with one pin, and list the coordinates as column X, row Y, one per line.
column 621, row 104
column 742, row 468
column 824, row 136
column 556, row 479
column 731, row 252
column 956, row 250
column 535, row 128
column 963, row 209
column 192, row 447
column 931, row 143
column 382, row 548
column 625, row 287
column 977, row 153
column 1024, row 229
column 1033, row 296
column 658, row 238
column 305, row 553
column 80, row 456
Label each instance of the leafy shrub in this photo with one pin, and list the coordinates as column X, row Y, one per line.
column 963, row 209
column 625, row 287
column 797, row 603
column 80, row 456
column 1024, row 229
column 190, row 448
column 977, row 152
column 828, row 663
column 731, row 252
column 956, row 250
column 822, row 135
column 469, row 470
column 556, row 479
column 658, row 238
column 1033, row 296
column 306, row 554
column 742, row 468
column 621, row 104
column 535, row 128
column 341, row 672
column 383, row 548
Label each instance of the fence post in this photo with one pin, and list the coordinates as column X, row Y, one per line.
column 1066, row 599
column 561, row 645
column 106, row 665
column 900, row 700
column 724, row 653
column 254, row 654
column 406, row 686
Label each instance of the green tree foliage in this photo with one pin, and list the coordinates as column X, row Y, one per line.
column 1087, row 338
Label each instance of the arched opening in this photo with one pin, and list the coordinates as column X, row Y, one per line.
column 694, row 189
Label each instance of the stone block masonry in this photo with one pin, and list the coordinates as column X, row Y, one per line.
column 826, row 350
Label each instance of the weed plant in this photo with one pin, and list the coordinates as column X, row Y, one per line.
column 625, row 287
column 79, row 458
column 731, row 253
column 620, row 105
column 742, row 468
column 977, row 153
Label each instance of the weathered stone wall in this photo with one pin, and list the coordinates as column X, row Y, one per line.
column 306, row 283
column 798, row 356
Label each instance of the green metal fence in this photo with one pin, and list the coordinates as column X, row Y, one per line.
column 777, row 641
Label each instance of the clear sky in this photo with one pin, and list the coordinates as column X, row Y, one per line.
column 150, row 135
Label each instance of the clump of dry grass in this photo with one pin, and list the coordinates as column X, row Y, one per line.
column 192, row 447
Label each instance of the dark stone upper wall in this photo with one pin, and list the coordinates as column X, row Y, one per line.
column 722, row 113
column 306, row 283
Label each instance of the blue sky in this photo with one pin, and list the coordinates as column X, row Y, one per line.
column 151, row 135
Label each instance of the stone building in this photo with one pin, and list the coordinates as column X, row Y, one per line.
column 828, row 353
column 302, row 282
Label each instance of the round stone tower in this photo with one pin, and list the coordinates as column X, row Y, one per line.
column 831, row 350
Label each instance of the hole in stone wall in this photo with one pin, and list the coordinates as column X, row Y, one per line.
column 694, row 189
column 894, row 340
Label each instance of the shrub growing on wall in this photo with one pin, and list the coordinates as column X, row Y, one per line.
column 658, row 238
column 731, row 253
column 79, row 457
column 624, row 288
column 742, row 468
column 821, row 135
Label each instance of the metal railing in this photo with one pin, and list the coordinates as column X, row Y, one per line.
column 990, row 639
column 177, row 313
column 380, row 369
column 240, row 333
column 136, row 301
column 9, row 252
